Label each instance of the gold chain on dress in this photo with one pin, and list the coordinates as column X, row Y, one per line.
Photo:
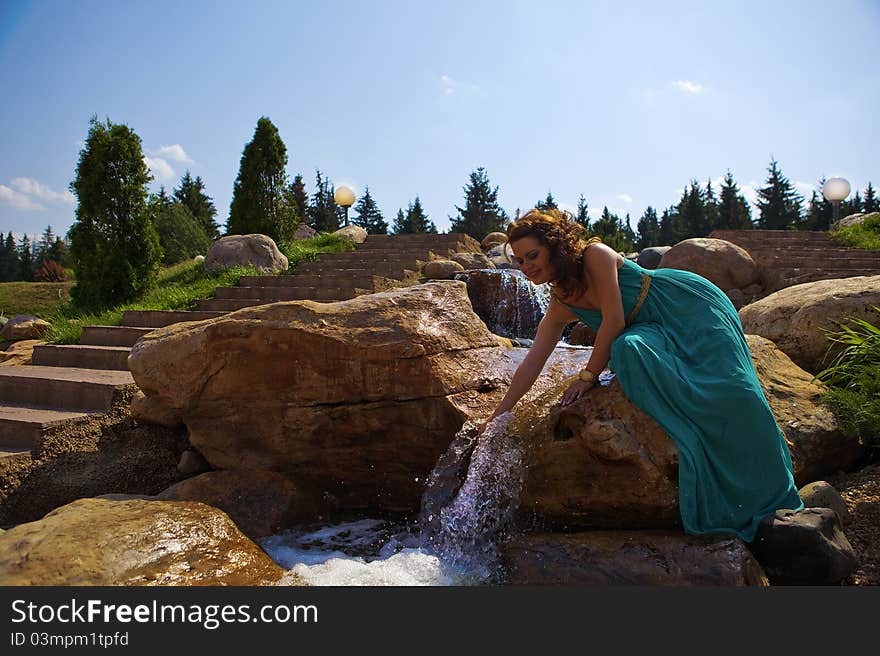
column 643, row 294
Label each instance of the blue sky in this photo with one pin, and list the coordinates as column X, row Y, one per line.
column 622, row 102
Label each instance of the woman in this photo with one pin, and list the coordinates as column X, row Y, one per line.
column 676, row 345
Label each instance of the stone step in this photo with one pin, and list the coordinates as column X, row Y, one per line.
column 159, row 318
column 376, row 268
column 364, row 281
column 73, row 388
column 112, row 335
column 83, row 356
column 795, row 235
column 273, row 294
column 796, row 272
column 9, row 454
column 233, row 304
column 22, row 426
column 779, row 259
column 369, row 260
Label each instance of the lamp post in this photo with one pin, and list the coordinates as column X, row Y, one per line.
column 345, row 196
column 835, row 190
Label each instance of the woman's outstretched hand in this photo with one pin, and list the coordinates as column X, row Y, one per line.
column 574, row 392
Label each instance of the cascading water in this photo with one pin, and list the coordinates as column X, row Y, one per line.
column 507, row 302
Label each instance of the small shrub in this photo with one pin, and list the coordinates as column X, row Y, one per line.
column 863, row 235
column 50, row 271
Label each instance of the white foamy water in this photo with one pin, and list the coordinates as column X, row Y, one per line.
column 374, row 552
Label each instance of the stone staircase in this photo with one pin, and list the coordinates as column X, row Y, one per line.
column 74, row 383
column 791, row 257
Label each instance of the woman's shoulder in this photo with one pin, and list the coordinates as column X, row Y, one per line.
column 597, row 250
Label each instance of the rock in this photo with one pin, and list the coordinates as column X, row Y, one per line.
column 804, row 547
column 854, row 219
column 649, row 258
column 24, row 326
column 133, row 542
column 20, row 352
column 630, row 558
column 509, row 304
column 354, row 234
column 305, row 232
column 797, row 318
column 472, row 260
column 603, row 463
column 493, row 238
column 752, row 290
column 820, row 494
column 199, row 258
column 581, row 335
column 192, row 462
column 356, row 398
column 241, row 250
column 151, row 410
column 722, row 262
column 736, row 297
column 441, row 269
column 817, row 445
column 260, row 502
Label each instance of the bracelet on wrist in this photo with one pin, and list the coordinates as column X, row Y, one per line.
column 587, row 376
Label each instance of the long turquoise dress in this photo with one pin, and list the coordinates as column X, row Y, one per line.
column 683, row 359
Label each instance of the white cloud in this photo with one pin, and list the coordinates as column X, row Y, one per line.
column 750, row 191
column 449, row 85
column 626, row 198
column 160, row 168
column 687, row 86
column 175, row 153
column 31, row 187
column 805, row 188
column 17, row 199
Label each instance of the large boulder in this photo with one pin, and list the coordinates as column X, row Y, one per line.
column 355, row 399
column 649, row 258
column 724, row 263
column 305, row 232
column 20, row 352
column 242, row 250
column 354, row 234
column 24, row 326
column 472, row 260
column 797, row 318
column 855, row 219
column 603, row 463
column 629, row 558
column 493, row 239
column 441, row 269
column 133, row 542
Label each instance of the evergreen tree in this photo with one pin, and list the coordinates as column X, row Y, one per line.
column 870, row 203
column 299, row 198
column 25, row 260
column 628, row 235
column 324, row 213
column 191, row 194
column 779, row 203
column 692, row 213
column 649, row 229
column 400, row 224
column 712, row 209
column 258, row 202
column 669, row 227
column 481, row 213
column 46, row 244
column 59, row 252
column 181, row 235
column 547, row 204
column 114, row 247
column 368, row 215
column 11, row 264
column 417, row 221
column 852, row 206
column 733, row 208
column 582, row 217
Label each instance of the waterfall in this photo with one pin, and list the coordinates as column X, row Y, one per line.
column 507, row 302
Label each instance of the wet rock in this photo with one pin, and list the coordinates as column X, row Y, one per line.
column 804, row 547
column 630, row 558
column 509, row 304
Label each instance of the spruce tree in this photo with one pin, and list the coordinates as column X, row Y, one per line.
column 400, row 226
column 692, row 213
column 711, row 208
column 778, row 202
column 870, row 203
column 417, row 221
column 113, row 246
column 852, row 206
column 191, row 194
column 368, row 215
column 582, row 217
column 299, row 198
column 648, row 227
column 669, row 227
column 258, row 202
column 481, row 213
column 733, row 208
column 46, row 243
column 324, row 213
column 547, row 204
column 25, row 260
column 181, row 235
column 11, row 262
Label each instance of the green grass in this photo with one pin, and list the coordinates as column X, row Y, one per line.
column 853, row 379
column 864, row 235
column 179, row 287
column 40, row 299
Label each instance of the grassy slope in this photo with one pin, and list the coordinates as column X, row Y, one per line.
column 40, row 299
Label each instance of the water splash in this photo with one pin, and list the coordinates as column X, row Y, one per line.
column 507, row 302
column 466, row 531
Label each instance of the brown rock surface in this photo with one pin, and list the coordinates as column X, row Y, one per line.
column 19, row 352
column 240, row 250
column 797, row 318
column 724, row 263
column 630, row 558
column 24, row 327
column 133, row 542
column 441, row 269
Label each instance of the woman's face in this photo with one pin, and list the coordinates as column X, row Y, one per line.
column 533, row 259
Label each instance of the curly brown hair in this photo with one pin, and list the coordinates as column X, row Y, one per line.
column 566, row 240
